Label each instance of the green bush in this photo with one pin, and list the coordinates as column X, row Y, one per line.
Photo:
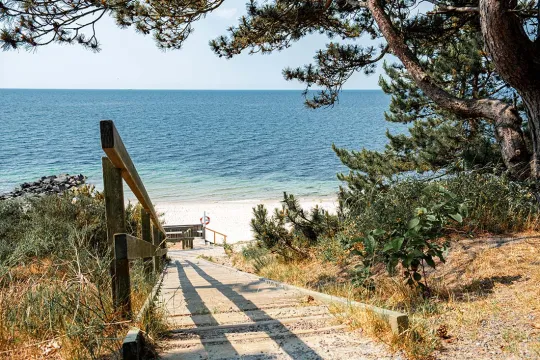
column 495, row 203
column 290, row 231
column 258, row 255
column 412, row 245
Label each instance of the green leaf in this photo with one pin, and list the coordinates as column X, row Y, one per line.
column 397, row 242
column 429, row 261
column 378, row 232
column 369, row 244
column 417, row 276
column 431, row 217
column 456, row 217
column 388, row 246
column 414, row 222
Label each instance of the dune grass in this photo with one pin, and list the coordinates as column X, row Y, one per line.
column 55, row 285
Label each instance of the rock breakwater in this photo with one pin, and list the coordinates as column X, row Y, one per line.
column 54, row 184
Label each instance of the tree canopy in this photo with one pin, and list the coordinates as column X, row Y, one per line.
column 462, row 72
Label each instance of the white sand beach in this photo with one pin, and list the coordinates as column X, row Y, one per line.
column 229, row 217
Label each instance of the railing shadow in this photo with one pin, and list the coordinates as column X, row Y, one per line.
column 196, row 305
column 295, row 349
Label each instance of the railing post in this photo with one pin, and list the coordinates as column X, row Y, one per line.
column 157, row 260
column 122, row 279
column 113, row 190
column 146, row 236
column 163, row 243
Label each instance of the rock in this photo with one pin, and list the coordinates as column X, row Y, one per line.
column 46, row 185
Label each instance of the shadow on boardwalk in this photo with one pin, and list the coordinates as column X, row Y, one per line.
column 262, row 322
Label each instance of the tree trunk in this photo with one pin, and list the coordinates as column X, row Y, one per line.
column 517, row 60
column 504, row 117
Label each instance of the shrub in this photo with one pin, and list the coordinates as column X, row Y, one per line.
column 413, row 244
column 495, row 203
column 257, row 255
column 291, row 231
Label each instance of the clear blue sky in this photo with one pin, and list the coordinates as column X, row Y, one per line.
column 132, row 61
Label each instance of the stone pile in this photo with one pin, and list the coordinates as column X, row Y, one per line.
column 55, row 184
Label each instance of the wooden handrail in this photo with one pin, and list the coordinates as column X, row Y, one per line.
column 112, row 144
column 217, row 232
column 130, row 247
column 117, row 168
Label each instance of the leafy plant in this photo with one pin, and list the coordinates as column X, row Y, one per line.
column 413, row 244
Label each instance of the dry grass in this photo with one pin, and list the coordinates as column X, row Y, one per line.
column 485, row 302
column 55, row 310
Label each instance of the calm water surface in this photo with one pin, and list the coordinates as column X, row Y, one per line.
column 190, row 145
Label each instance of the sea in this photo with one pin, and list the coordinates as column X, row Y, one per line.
column 191, row 145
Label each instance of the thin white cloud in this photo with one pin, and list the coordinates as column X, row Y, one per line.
column 226, row 13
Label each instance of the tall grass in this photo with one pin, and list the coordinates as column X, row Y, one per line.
column 55, row 285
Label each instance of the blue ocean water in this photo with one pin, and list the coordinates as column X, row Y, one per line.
column 190, row 145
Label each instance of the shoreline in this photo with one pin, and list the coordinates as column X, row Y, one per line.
column 231, row 217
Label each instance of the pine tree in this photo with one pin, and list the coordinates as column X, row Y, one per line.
column 437, row 140
column 414, row 33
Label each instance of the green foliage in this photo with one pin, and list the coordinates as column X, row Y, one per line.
column 290, row 230
column 414, row 243
column 330, row 248
column 228, row 249
column 495, row 203
column 43, row 226
column 259, row 256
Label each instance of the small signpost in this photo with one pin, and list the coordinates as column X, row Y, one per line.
column 205, row 220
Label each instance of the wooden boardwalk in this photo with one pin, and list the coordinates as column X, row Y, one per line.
column 219, row 313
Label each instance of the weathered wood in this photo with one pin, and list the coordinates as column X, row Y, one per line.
column 134, row 248
column 216, row 232
column 116, row 151
column 122, row 283
column 132, row 347
column 146, row 236
column 161, row 252
column 113, row 189
column 157, row 259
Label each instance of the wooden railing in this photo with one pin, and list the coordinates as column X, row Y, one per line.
column 118, row 167
column 215, row 232
column 183, row 234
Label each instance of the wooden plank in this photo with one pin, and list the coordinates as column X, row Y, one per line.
column 113, row 189
column 133, row 345
column 146, row 236
column 157, row 259
column 121, row 280
column 216, row 232
column 134, row 248
column 161, row 252
column 112, row 144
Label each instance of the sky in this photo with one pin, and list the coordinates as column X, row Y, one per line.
column 128, row 60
